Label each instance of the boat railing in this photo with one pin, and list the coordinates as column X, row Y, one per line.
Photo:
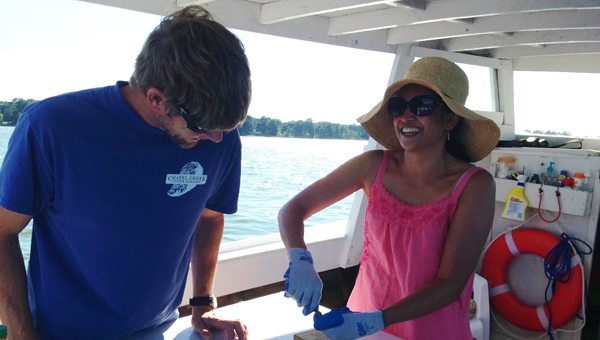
column 261, row 260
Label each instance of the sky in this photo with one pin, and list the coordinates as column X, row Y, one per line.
column 52, row 47
column 49, row 47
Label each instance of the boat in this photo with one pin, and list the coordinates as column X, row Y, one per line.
column 502, row 37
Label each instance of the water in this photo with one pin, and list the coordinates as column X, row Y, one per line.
column 276, row 169
column 273, row 171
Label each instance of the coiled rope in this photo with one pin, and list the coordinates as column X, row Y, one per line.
column 557, row 267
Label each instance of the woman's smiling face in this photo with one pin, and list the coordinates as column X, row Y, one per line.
column 415, row 132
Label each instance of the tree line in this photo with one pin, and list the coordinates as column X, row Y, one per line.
column 300, row 129
column 549, row 133
column 11, row 111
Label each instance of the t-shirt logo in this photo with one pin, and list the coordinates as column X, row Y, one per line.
column 190, row 176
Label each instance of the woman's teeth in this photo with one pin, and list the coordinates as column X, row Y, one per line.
column 410, row 130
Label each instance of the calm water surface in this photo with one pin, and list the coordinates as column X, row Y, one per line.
column 273, row 171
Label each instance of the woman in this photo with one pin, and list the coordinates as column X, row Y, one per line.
column 428, row 216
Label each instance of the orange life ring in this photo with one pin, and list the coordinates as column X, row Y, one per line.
column 566, row 300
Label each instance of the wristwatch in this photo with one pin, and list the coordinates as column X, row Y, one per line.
column 210, row 301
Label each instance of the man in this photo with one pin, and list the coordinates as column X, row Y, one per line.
column 126, row 184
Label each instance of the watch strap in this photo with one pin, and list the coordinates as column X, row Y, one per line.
column 210, row 301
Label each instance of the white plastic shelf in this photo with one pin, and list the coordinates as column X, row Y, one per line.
column 572, row 202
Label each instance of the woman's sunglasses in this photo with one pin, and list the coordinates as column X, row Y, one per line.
column 420, row 106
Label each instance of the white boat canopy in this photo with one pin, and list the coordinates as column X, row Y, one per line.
column 552, row 35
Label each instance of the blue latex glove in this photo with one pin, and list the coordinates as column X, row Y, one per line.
column 345, row 324
column 303, row 283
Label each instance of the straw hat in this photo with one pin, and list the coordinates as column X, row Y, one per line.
column 478, row 135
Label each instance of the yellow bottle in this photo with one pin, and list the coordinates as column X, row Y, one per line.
column 516, row 203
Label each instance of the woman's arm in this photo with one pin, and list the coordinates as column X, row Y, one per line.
column 464, row 243
column 357, row 173
column 303, row 283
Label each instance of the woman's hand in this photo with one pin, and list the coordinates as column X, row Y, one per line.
column 344, row 324
column 303, row 283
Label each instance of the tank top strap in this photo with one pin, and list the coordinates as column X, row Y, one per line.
column 463, row 180
column 383, row 166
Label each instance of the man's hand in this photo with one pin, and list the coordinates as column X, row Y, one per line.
column 303, row 283
column 204, row 319
column 344, row 324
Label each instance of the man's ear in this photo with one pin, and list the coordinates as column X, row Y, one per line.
column 157, row 101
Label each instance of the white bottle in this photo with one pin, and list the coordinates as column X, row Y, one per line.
column 587, row 182
column 578, row 181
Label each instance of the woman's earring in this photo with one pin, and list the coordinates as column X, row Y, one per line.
column 448, row 135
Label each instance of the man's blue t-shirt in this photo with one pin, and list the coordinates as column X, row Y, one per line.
column 114, row 204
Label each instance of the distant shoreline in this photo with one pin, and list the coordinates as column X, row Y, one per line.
column 13, row 125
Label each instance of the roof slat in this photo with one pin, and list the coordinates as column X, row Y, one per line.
column 521, row 38
column 548, row 50
column 284, row 10
column 538, row 21
column 447, row 10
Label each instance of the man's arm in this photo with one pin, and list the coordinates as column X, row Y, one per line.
column 14, row 304
column 205, row 252
column 207, row 239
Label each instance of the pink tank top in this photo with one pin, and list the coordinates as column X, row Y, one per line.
column 401, row 253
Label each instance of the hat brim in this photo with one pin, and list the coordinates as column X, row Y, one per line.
column 479, row 135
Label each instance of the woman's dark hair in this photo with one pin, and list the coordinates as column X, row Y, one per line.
column 454, row 146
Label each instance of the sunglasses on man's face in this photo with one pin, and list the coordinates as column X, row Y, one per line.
column 420, row 106
column 191, row 123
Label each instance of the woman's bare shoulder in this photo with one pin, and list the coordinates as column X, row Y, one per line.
column 483, row 177
column 369, row 161
column 372, row 155
column 481, row 183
